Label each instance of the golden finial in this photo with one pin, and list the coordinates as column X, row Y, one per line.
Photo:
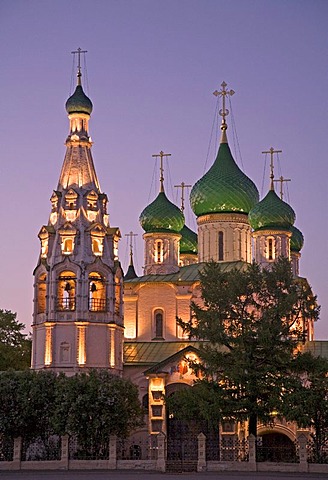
column 79, row 73
column 131, row 235
column 272, row 151
column 282, row 180
column 161, row 168
column 223, row 112
column 182, row 186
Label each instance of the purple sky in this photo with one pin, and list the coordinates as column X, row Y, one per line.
column 152, row 66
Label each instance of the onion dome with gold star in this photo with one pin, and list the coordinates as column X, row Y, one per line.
column 297, row 240
column 224, row 188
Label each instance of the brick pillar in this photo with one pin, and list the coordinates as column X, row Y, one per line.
column 252, row 453
column 302, row 441
column 17, row 453
column 64, row 457
column 201, row 465
column 112, row 461
column 160, row 463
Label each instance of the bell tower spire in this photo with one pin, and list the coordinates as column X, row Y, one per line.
column 78, row 280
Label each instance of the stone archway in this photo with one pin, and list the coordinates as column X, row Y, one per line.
column 276, row 447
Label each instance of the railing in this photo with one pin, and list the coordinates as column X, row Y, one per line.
column 6, row 449
column 318, row 453
column 41, row 448
column 233, row 450
column 97, row 305
column 92, row 451
column 66, row 304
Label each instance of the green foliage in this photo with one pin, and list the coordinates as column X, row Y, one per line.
column 15, row 346
column 27, row 403
column 308, row 401
column 250, row 322
column 94, row 406
column 89, row 406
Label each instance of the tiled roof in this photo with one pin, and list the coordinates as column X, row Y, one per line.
column 150, row 353
column 317, row 348
column 189, row 273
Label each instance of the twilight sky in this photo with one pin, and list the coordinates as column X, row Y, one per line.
column 152, row 66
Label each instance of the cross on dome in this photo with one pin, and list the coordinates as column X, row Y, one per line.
column 78, row 52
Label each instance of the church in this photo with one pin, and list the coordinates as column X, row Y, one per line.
column 88, row 314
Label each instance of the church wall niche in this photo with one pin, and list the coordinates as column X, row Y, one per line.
column 97, row 293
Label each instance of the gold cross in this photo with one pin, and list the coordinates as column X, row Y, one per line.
column 223, row 93
column 272, row 151
column 131, row 235
column 282, row 180
column 161, row 178
column 78, row 52
column 182, row 186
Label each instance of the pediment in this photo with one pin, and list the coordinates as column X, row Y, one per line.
column 176, row 363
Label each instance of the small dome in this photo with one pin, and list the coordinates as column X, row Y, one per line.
column 297, row 240
column 79, row 102
column 161, row 216
column 224, row 188
column 188, row 241
column 271, row 212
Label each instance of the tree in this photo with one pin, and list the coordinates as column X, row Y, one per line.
column 308, row 401
column 15, row 346
column 250, row 322
column 94, row 406
column 27, row 403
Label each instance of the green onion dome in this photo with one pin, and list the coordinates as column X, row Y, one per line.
column 224, row 188
column 297, row 240
column 188, row 241
column 271, row 212
column 79, row 102
column 161, row 216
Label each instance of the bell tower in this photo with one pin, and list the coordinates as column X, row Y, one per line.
column 78, row 318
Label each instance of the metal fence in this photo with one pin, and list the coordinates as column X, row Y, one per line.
column 48, row 448
column 93, row 450
column 233, row 450
column 6, row 449
column 318, row 452
column 137, row 449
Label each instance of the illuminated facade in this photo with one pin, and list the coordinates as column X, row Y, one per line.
column 78, row 315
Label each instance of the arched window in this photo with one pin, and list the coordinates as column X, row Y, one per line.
column 67, row 246
column 97, row 246
column 66, row 291
column 158, row 251
column 118, row 294
column 220, row 244
column 270, row 249
column 97, row 293
column 159, row 323
column 41, row 296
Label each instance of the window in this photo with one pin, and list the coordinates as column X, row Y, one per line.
column 159, row 251
column 97, row 246
column 66, row 291
column 42, row 289
column 67, row 246
column 97, row 293
column 159, row 324
column 220, row 240
column 270, row 249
